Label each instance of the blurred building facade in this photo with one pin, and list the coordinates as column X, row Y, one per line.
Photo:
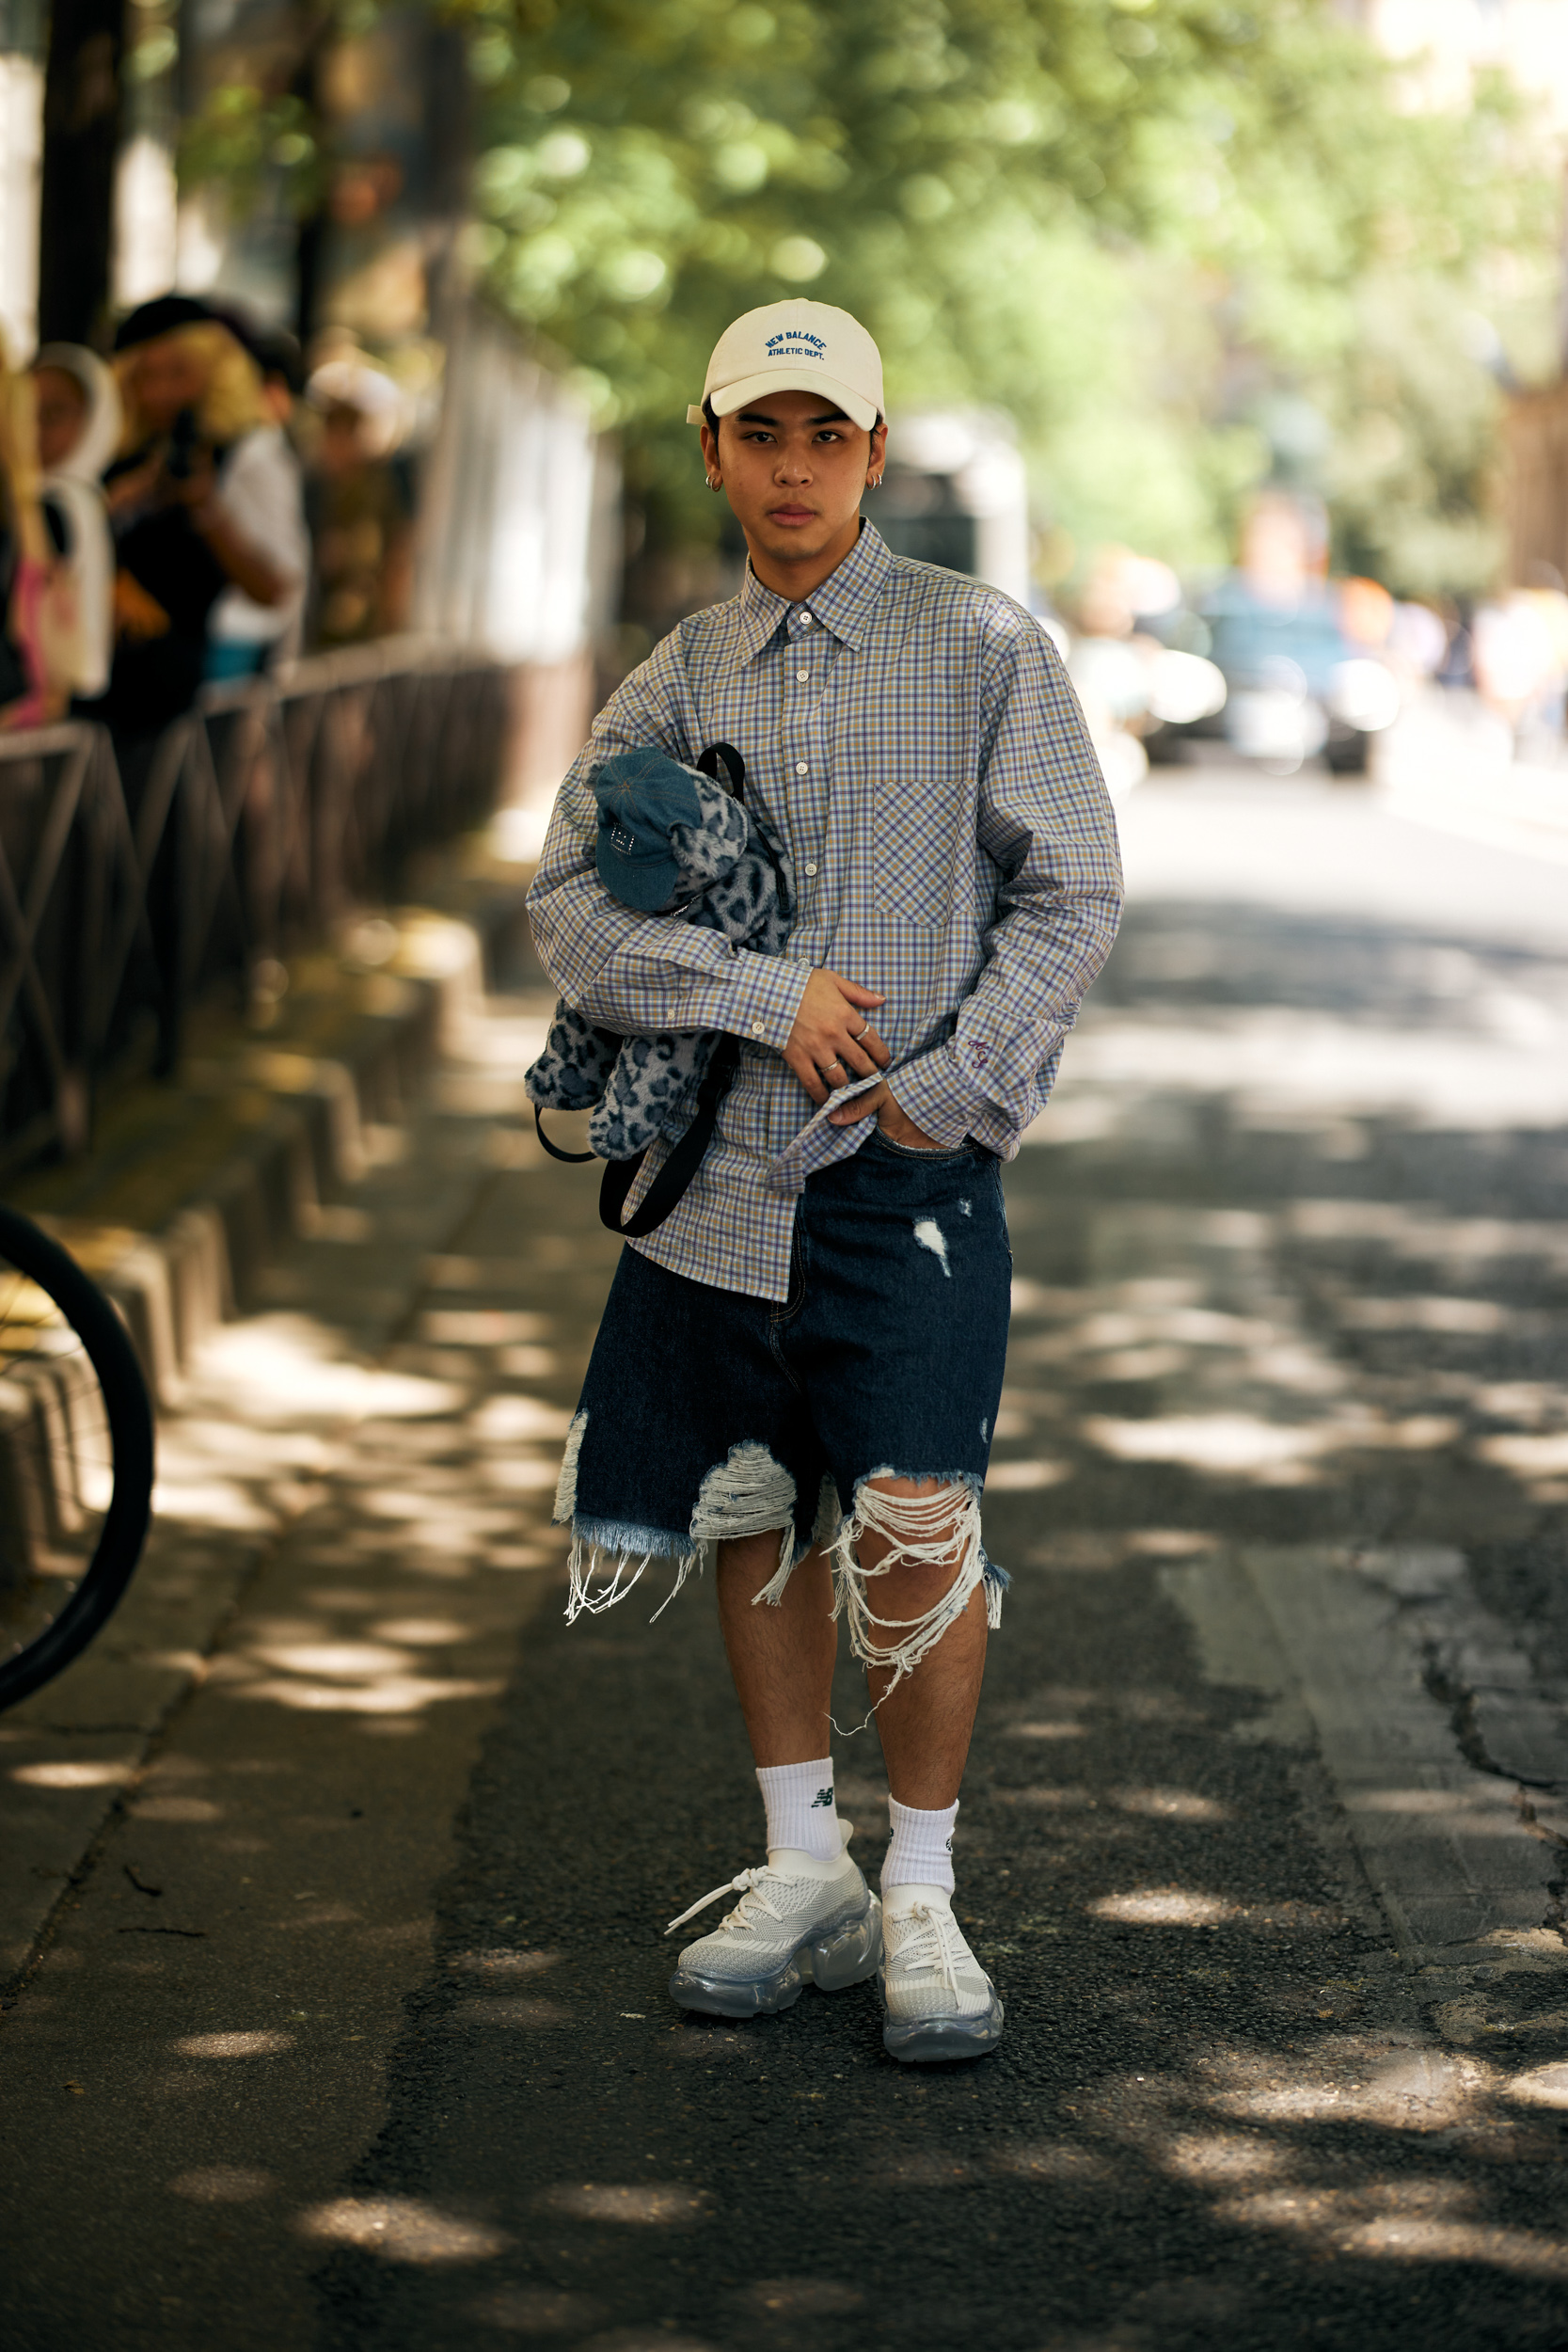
column 1443, row 45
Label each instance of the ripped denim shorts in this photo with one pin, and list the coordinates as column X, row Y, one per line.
column 709, row 1414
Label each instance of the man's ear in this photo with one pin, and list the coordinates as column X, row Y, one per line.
column 710, row 447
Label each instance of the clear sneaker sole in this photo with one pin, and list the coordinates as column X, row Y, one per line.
column 844, row 1949
column 938, row 2041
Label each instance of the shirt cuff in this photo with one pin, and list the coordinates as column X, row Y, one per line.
column 934, row 1093
column 767, row 994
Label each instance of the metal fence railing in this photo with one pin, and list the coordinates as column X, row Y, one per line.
column 246, row 831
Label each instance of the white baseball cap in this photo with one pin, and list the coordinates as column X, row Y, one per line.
column 796, row 346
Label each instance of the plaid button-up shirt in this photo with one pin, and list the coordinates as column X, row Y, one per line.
column 912, row 740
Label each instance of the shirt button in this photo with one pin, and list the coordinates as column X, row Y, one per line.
column 802, row 676
column 802, row 768
column 806, row 619
column 756, row 1028
column 811, row 869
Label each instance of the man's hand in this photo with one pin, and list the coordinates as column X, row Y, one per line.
column 893, row 1123
column 832, row 1040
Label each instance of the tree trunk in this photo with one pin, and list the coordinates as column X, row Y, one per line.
column 82, row 96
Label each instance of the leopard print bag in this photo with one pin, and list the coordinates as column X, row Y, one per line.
column 732, row 877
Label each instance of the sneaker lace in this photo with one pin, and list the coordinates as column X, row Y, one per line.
column 931, row 1945
column 752, row 1887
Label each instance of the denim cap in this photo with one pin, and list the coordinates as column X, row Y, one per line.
column 640, row 795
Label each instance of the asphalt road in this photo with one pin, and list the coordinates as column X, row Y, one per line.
column 1263, row 1838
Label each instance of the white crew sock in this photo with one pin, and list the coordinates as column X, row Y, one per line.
column 800, row 1810
column 921, row 1854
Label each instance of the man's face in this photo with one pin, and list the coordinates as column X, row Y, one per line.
column 793, row 467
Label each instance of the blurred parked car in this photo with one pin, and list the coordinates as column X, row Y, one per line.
column 1295, row 685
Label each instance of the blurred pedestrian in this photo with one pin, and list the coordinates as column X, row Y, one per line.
column 1521, row 661
column 360, row 511
column 180, row 499
column 78, row 418
column 26, row 697
column 193, row 399
column 263, row 486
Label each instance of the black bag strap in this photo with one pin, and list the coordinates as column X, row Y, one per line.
column 682, row 1164
column 572, row 1159
column 709, row 762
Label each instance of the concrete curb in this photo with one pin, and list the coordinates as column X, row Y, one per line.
column 319, row 1114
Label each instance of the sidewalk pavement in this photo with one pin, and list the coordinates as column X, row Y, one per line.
column 193, row 1196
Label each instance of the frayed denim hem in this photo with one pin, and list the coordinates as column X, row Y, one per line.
column 594, row 1584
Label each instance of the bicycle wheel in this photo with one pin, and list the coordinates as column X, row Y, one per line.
column 76, row 1458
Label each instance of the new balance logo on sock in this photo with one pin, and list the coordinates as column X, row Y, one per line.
column 823, row 1796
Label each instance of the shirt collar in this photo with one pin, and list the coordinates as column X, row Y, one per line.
column 842, row 604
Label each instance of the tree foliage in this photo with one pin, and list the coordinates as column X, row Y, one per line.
column 1130, row 225
column 1143, row 228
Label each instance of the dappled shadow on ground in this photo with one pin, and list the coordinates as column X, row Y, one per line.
column 1265, row 1296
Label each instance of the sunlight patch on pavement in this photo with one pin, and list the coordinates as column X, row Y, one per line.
column 1013, row 1478
column 1541, row 2087
column 1223, row 2156
column 1439, row 1314
column 1350, row 2081
column 1163, row 1907
column 1241, row 1445
column 1400, row 2220
column 337, row 1661
column 284, row 1366
column 1171, row 1805
column 232, row 2046
column 224, row 2185
column 1280, row 1060
column 663, row 2204
column 402, row 2230
column 66, row 1775
column 505, row 1420
column 394, row 1695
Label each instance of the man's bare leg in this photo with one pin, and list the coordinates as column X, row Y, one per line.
column 781, row 1660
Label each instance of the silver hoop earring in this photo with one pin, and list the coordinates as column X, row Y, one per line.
column 714, row 482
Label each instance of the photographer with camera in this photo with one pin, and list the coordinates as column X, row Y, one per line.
column 193, row 399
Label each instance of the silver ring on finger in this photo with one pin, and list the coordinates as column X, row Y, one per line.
column 860, row 1033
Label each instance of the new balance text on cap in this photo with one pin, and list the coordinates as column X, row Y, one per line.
column 795, row 346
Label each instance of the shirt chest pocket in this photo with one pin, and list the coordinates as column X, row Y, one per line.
column 915, row 857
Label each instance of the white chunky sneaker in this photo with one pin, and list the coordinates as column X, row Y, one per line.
column 797, row 1922
column 939, row 2002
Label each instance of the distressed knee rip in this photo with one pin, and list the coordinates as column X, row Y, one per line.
column 939, row 1530
column 750, row 1494
column 747, row 1494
